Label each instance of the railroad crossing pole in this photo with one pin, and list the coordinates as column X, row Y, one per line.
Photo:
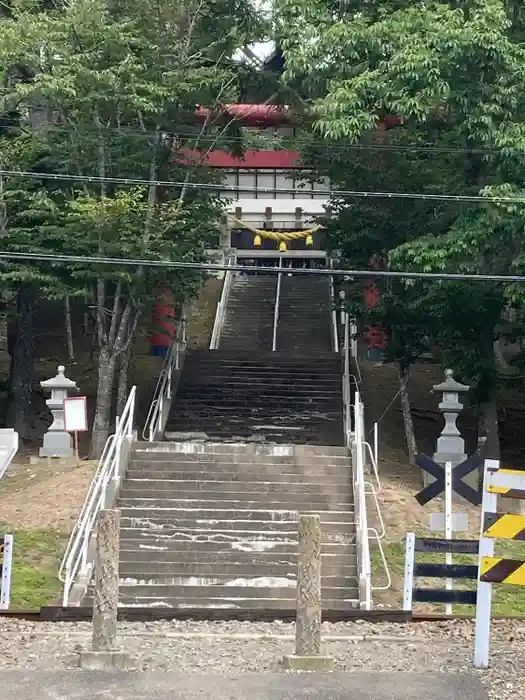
column 308, row 656
column 450, row 450
column 448, row 525
column 104, row 654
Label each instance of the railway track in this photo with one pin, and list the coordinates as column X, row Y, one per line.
column 59, row 614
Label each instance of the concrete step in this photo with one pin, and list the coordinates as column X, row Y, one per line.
column 247, row 503
column 218, row 581
column 277, row 500
column 202, row 459
column 227, row 543
column 271, row 387
column 329, row 432
column 174, row 524
column 263, row 405
column 260, row 367
column 266, row 359
column 241, row 487
column 251, row 449
column 240, row 457
column 335, row 562
column 236, row 471
column 268, row 389
column 209, row 534
column 170, row 572
column 230, row 603
column 232, row 516
column 341, row 477
column 284, row 588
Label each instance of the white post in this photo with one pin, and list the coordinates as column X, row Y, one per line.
column 409, row 571
column 376, row 444
column 5, row 568
column 484, row 597
column 448, row 525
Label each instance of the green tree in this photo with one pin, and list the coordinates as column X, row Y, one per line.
column 112, row 85
column 461, row 65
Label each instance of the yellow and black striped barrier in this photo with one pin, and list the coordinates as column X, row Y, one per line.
column 508, row 483
column 499, row 570
column 506, row 489
column 504, row 526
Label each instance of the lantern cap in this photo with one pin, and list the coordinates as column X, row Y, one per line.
column 450, row 384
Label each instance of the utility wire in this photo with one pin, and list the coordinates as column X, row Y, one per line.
column 216, row 188
column 218, row 267
column 285, row 141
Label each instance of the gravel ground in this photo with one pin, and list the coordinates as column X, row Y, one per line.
column 201, row 647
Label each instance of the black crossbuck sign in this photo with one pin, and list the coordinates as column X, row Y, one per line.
column 437, row 487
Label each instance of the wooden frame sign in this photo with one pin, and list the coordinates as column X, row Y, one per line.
column 75, row 414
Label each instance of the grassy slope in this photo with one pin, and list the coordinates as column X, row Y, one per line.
column 30, row 511
column 36, row 558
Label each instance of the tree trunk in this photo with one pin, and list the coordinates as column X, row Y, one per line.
column 101, row 420
column 69, row 330
column 112, row 345
column 410, row 436
column 122, row 392
column 488, row 434
column 22, row 364
column 489, row 428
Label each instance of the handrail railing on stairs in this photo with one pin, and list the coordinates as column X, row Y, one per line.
column 77, row 564
column 354, row 428
column 166, row 386
column 276, row 308
column 335, row 339
column 222, row 305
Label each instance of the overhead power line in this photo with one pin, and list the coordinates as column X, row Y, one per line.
column 221, row 267
column 216, row 188
column 192, row 136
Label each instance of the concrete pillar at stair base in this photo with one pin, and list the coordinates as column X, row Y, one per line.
column 104, row 654
column 308, row 656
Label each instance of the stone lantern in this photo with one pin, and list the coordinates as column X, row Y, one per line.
column 450, row 444
column 57, row 442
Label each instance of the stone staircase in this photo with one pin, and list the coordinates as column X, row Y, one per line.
column 209, row 516
column 248, row 325
column 271, row 397
column 304, row 315
column 214, row 524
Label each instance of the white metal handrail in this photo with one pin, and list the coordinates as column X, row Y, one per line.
column 354, row 429
column 335, row 339
column 8, row 448
column 160, row 405
column 276, row 308
column 362, row 529
column 222, row 304
column 76, row 562
column 364, row 488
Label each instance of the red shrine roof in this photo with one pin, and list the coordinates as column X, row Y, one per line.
column 257, row 116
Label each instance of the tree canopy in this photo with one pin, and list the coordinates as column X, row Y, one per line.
column 452, row 74
column 102, row 89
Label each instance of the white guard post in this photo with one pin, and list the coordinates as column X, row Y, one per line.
column 448, row 525
column 496, row 481
column 409, row 571
column 6, row 561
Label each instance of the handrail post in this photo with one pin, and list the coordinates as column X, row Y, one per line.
column 76, row 560
column 222, row 305
column 335, row 339
column 276, row 307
